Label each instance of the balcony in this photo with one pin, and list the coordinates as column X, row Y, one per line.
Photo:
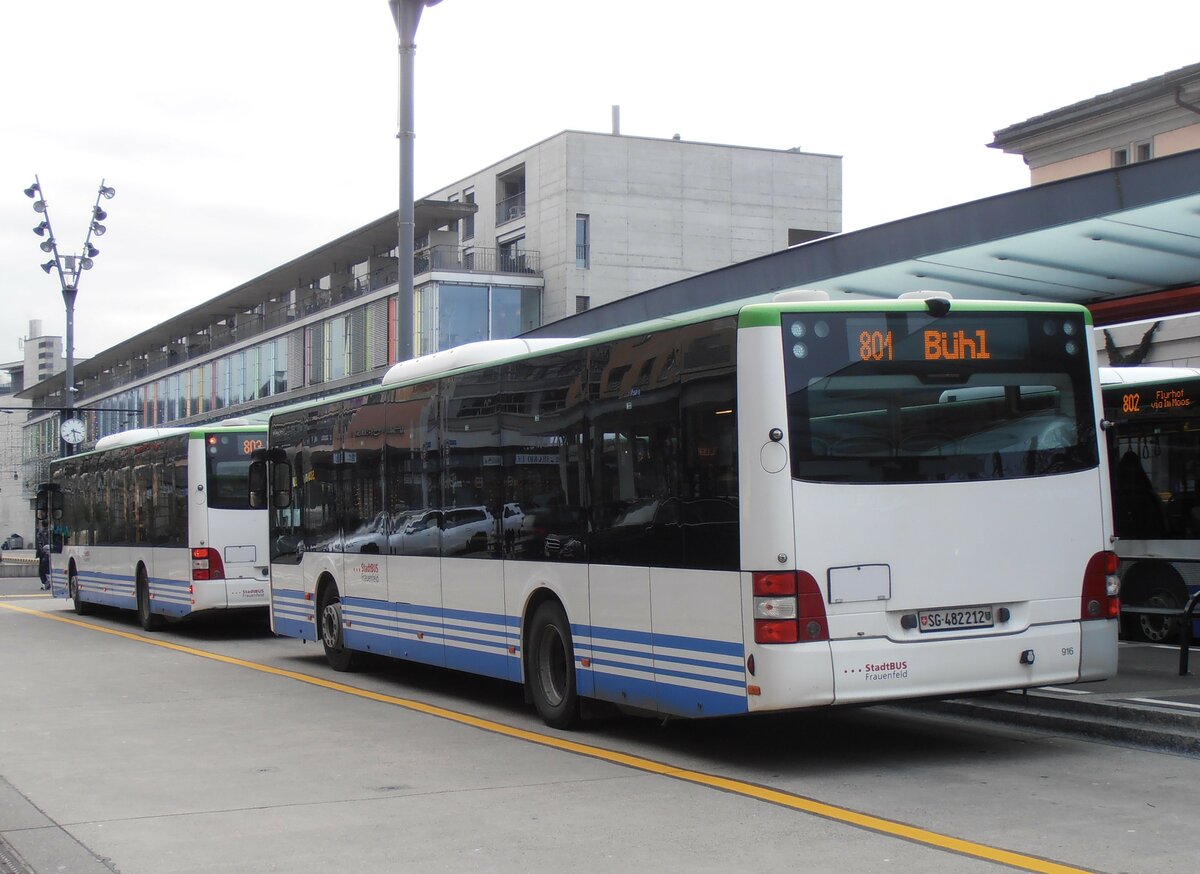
column 510, row 208
column 476, row 259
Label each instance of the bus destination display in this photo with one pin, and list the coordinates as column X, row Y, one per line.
column 1156, row 400
column 877, row 339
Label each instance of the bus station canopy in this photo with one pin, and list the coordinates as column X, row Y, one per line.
column 1124, row 242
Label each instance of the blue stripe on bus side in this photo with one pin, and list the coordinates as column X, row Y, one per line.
column 668, row 699
column 119, row 590
column 112, row 590
column 464, row 647
column 642, row 674
column 292, row 619
column 386, row 644
column 679, row 682
column 670, row 641
column 301, row 629
column 662, row 658
column 166, row 581
column 683, row 701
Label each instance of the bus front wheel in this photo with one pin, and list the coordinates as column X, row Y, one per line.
column 339, row 657
column 551, row 667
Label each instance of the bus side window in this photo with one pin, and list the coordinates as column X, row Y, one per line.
column 1140, row 513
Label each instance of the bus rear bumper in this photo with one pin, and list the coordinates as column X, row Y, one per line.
column 881, row 670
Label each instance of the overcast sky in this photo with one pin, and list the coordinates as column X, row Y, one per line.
column 239, row 135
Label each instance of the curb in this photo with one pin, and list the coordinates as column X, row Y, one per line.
column 1142, row 726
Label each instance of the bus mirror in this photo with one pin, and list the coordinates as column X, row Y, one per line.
column 281, row 484
column 257, row 478
column 49, row 503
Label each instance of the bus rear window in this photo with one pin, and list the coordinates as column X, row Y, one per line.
column 229, row 457
column 909, row 397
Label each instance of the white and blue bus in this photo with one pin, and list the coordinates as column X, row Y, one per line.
column 158, row 520
column 750, row 508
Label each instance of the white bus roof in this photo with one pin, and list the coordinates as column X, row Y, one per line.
column 140, row 435
column 1143, row 375
column 467, row 355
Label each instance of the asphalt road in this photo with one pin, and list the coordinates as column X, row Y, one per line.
column 217, row 748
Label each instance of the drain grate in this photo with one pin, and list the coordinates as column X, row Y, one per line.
column 10, row 862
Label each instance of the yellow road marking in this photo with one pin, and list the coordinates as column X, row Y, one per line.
column 737, row 787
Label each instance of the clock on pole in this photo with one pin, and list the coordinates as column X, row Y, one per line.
column 72, row 430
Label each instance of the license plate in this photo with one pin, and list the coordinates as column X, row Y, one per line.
column 953, row 620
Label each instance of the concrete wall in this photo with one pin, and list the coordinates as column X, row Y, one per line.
column 659, row 210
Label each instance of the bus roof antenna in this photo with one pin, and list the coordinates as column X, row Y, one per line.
column 937, row 302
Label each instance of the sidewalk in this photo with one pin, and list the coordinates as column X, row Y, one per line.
column 1148, row 704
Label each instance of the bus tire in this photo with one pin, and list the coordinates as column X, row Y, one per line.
column 339, row 657
column 550, row 667
column 148, row 619
column 1152, row 585
column 82, row 607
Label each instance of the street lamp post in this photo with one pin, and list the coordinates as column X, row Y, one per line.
column 407, row 14
column 70, row 268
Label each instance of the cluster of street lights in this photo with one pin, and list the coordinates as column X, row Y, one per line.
column 69, row 268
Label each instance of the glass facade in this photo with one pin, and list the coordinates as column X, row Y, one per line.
column 342, row 346
column 449, row 315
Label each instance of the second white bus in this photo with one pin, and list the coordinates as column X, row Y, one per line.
column 159, row 521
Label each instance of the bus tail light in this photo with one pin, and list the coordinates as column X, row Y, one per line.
column 207, row 564
column 1101, row 588
column 788, row 608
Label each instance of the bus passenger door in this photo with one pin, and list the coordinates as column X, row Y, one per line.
column 475, row 627
column 413, row 492
column 364, row 521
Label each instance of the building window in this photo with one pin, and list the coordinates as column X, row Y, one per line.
column 512, row 255
column 468, row 224
column 1142, row 152
column 281, row 364
column 462, row 315
column 582, row 239
column 1120, row 157
column 582, row 303
column 510, row 195
column 336, row 348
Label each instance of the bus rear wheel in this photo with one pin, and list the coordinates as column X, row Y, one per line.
column 148, row 619
column 332, row 638
column 1152, row 584
column 1159, row 629
column 550, row 671
column 82, row 607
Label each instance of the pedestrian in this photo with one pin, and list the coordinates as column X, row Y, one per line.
column 44, row 565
